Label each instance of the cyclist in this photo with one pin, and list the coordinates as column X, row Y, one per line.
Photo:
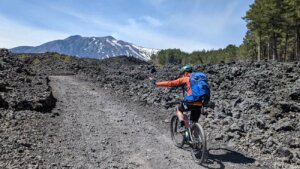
column 186, row 104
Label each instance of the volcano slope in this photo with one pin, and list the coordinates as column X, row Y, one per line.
column 254, row 112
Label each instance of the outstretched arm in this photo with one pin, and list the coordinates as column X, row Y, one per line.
column 172, row 83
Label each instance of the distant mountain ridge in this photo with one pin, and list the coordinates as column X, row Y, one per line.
column 91, row 47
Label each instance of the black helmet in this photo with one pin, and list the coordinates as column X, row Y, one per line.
column 186, row 68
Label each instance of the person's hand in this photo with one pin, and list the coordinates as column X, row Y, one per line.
column 153, row 81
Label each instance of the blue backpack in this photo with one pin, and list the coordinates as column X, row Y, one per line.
column 200, row 88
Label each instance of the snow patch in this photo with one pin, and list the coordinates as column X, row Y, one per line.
column 116, row 43
column 132, row 50
column 113, row 44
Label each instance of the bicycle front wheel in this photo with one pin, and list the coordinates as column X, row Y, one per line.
column 177, row 137
column 198, row 144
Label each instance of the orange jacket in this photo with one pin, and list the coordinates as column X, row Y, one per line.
column 185, row 80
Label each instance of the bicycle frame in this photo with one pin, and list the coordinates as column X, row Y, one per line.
column 188, row 123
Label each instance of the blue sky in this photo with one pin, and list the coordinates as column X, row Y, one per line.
column 186, row 24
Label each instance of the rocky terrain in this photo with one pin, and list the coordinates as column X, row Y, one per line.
column 21, row 87
column 23, row 93
column 254, row 107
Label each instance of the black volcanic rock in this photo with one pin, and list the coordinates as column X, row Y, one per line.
column 254, row 105
column 21, row 88
column 251, row 104
column 23, row 92
column 295, row 96
column 3, row 103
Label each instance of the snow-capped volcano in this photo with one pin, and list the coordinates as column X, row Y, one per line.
column 92, row 47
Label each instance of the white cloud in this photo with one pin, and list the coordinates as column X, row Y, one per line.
column 115, row 35
column 13, row 34
column 141, row 31
column 138, row 34
column 135, row 31
column 152, row 21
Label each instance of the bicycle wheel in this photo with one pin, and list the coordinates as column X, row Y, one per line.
column 177, row 137
column 199, row 143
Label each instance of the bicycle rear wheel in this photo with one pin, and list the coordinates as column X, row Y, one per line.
column 177, row 137
column 199, row 143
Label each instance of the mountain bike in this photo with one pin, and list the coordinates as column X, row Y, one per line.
column 193, row 135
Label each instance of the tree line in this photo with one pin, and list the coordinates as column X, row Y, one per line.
column 273, row 34
column 273, row 30
column 176, row 56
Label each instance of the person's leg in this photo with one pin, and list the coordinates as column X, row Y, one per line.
column 180, row 116
column 195, row 114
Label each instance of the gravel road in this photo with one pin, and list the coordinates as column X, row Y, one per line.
column 93, row 128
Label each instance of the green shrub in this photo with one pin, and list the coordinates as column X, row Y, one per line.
column 23, row 57
column 67, row 59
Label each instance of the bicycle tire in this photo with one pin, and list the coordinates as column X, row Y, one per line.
column 173, row 128
column 196, row 150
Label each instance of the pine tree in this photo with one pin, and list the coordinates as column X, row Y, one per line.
column 256, row 23
column 248, row 49
column 295, row 17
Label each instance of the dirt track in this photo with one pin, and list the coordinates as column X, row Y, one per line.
column 95, row 129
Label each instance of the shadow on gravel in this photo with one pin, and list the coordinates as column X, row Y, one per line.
column 218, row 156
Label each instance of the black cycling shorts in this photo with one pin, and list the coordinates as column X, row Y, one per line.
column 195, row 110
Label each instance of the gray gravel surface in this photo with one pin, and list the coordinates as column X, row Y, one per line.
column 96, row 129
column 254, row 108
